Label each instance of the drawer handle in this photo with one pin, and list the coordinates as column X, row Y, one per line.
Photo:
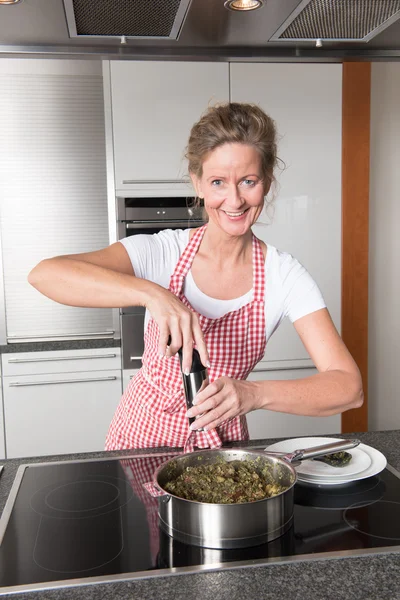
column 52, row 359
column 285, row 368
column 141, row 181
column 135, row 357
column 56, row 381
column 61, row 335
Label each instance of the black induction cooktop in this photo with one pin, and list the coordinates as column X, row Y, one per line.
column 85, row 521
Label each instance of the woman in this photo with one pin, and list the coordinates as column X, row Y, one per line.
column 217, row 287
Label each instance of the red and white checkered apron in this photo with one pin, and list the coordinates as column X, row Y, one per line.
column 152, row 411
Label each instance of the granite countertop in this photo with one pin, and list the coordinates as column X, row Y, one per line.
column 364, row 577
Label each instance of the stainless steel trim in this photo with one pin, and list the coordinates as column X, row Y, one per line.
column 174, row 570
column 180, row 18
column 57, row 381
column 53, row 359
column 111, row 200
column 60, row 335
column 70, row 16
column 293, row 53
column 10, row 501
column 116, row 323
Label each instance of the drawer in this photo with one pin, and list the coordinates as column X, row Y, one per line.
column 61, row 361
column 59, row 413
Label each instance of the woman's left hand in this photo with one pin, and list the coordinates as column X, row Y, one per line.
column 223, row 399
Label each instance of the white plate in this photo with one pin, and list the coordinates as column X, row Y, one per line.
column 318, row 470
column 377, row 461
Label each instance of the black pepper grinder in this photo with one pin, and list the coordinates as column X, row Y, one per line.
column 195, row 381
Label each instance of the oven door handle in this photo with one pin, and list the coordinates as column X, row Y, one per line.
column 184, row 223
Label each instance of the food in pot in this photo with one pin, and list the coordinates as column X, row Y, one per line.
column 233, row 482
column 337, row 459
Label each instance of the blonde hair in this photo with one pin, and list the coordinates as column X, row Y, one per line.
column 233, row 122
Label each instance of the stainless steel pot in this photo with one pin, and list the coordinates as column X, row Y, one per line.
column 231, row 525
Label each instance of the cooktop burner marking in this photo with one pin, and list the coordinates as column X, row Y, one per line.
column 57, row 562
column 377, row 520
column 67, row 499
column 82, row 498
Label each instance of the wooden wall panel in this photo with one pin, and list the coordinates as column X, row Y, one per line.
column 355, row 225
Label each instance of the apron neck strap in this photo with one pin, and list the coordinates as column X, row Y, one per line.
column 185, row 261
column 258, row 271
column 187, row 257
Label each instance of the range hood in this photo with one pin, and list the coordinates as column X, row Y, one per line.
column 138, row 19
column 282, row 30
column 338, row 20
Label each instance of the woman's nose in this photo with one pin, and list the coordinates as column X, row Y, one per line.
column 233, row 196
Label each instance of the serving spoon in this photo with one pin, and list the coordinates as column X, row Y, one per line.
column 317, row 452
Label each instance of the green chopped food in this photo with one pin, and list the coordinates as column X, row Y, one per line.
column 337, row 459
column 233, row 482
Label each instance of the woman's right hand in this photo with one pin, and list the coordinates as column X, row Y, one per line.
column 179, row 323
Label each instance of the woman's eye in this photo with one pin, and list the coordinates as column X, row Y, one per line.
column 249, row 182
column 216, row 182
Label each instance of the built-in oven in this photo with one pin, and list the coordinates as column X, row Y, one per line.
column 148, row 216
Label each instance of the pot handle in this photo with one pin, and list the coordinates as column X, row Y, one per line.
column 154, row 490
column 304, row 453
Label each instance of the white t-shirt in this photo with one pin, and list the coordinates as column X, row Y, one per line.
column 290, row 291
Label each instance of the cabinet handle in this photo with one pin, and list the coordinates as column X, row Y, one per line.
column 285, row 368
column 52, row 359
column 135, row 357
column 60, row 335
column 141, row 181
column 56, row 381
column 166, row 223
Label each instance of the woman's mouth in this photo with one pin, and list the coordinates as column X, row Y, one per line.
column 236, row 214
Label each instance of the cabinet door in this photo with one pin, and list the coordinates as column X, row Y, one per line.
column 154, row 105
column 59, row 413
column 305, row 101
column 53, row 188
column 127, row 375
column 269, row 424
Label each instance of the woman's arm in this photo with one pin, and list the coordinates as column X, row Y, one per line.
column 335, row 388
column 106, row 279
column 101, row 279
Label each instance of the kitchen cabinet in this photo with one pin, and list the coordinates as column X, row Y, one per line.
column 305, row 101
column 53, row 189
column 127, row 375
column 269, row 424
column 59, row 402
column 153, row 107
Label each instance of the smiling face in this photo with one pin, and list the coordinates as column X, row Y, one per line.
column 232, row 187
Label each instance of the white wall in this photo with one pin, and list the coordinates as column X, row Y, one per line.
column 384, row 259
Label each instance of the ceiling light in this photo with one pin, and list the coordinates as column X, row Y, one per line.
column 9, row 1
column 243, row 4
